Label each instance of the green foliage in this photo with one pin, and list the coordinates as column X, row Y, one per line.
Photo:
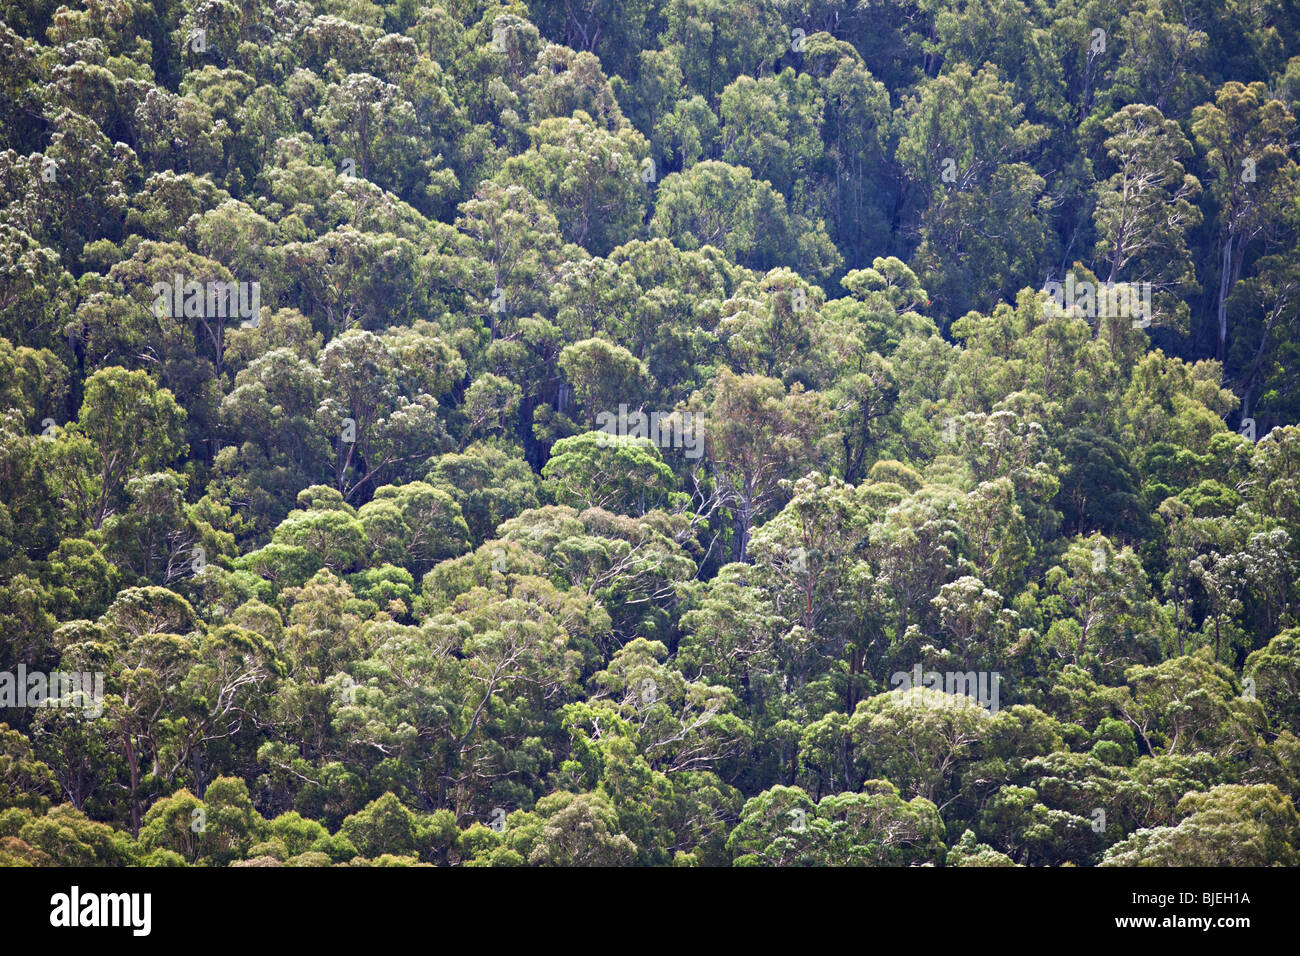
column 577, row 429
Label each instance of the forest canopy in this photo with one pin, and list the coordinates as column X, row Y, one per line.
column 663, row 432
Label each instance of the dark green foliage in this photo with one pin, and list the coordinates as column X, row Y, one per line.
column 665, row 432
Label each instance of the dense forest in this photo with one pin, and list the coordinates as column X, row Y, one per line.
column 659, row 433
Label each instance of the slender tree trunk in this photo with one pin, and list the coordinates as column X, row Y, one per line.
column 133, row 763
column 741, row 547
column 1225, row 287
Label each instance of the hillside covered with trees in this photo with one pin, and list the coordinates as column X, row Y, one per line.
column 662, row 432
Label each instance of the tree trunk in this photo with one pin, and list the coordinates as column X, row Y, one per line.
column 1225, row 287
column 133, row 762
column 741, row 545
